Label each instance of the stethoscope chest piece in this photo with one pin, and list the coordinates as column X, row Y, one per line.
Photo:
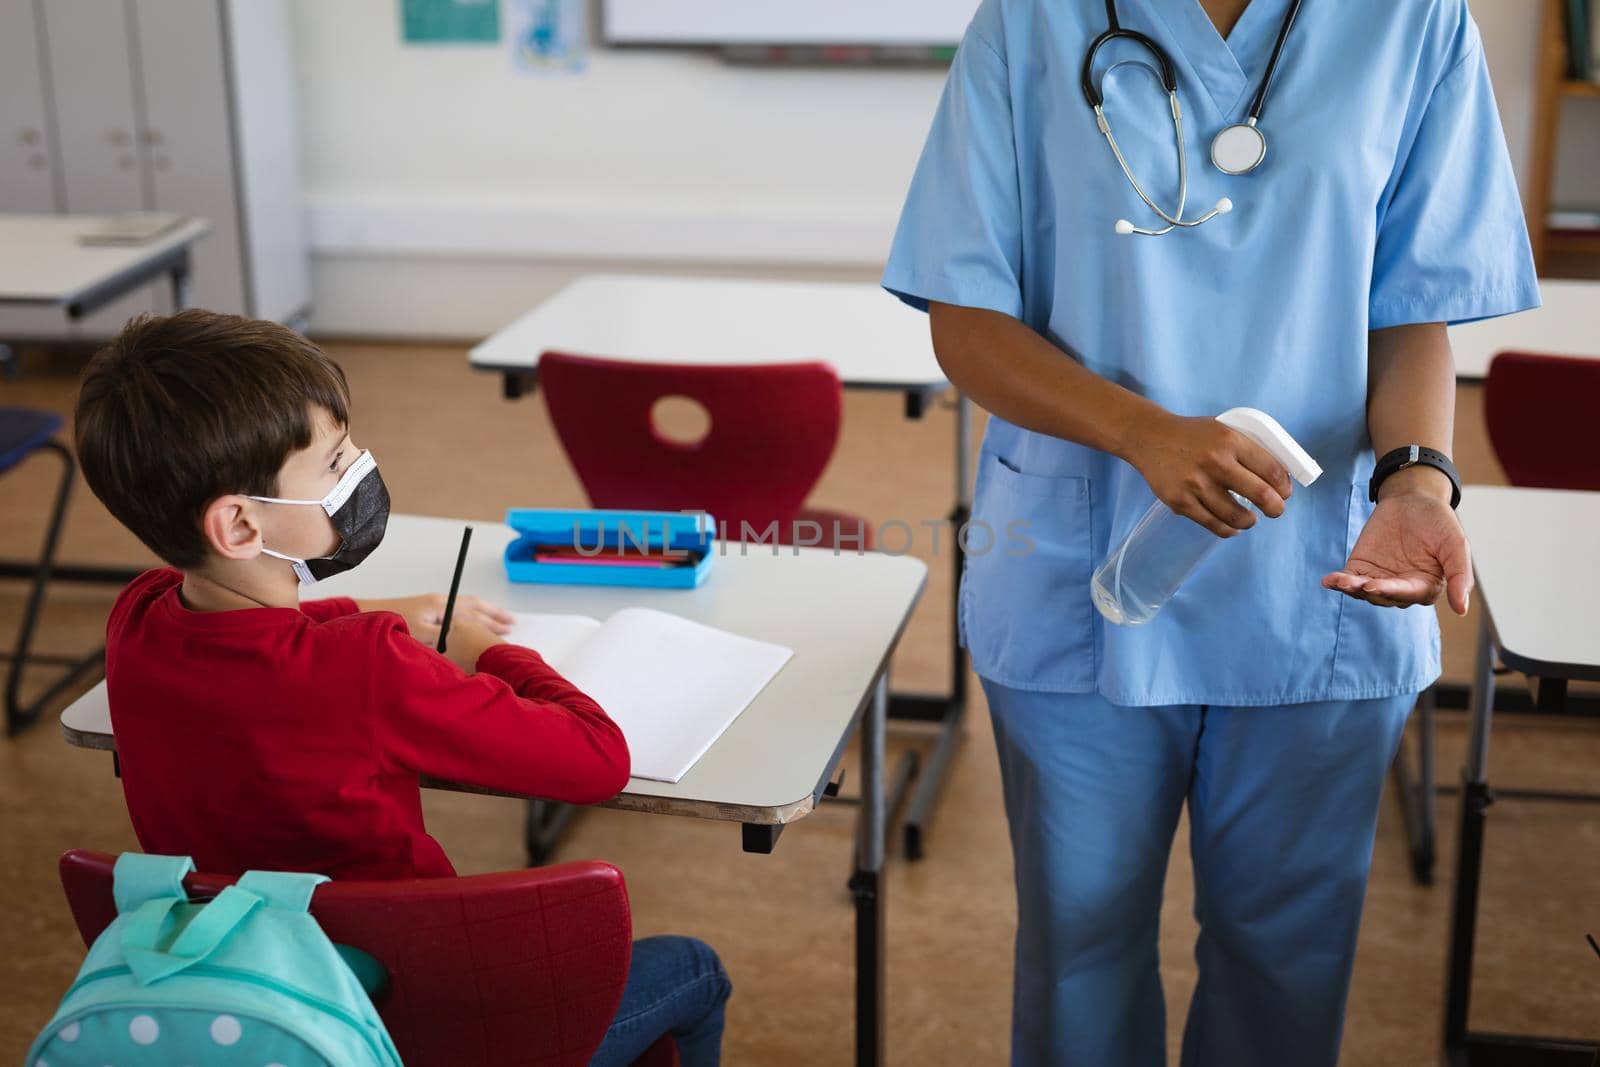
column 1239, row 149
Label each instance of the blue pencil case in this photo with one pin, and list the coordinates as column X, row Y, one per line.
column 657, row 549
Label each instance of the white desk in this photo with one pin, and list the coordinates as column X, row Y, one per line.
column 842, row 615
column 1534, row 552
column 1538, row 581
column 43, row 265
column 1567, row 325
column 41, row 262
column 871, row 339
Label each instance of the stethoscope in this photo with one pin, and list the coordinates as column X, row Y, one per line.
column 1238, row 149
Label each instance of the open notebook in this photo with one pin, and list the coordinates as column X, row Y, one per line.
column 672, row 685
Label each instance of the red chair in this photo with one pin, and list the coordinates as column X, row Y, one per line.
column 773, row 430
column 520, row 969
column 1541, row 415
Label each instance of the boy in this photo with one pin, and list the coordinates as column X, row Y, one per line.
column 255, row 731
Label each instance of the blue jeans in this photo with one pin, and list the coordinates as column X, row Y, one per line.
column 676, row 985
column 1283, row 803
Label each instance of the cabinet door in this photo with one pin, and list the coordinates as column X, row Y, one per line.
column 267, row 145
column 27, row 157
column 188, row 140
column 91, row 79
column 26, row 163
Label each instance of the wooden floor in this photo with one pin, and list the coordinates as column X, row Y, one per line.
column 450, row 446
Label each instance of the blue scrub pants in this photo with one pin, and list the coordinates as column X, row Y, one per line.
column 1283, row 807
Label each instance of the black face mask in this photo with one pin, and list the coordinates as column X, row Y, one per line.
column 359, row 510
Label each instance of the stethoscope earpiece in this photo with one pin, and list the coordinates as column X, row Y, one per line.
column 1222, row 207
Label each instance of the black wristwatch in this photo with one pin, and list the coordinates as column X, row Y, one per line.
column 1415, row 456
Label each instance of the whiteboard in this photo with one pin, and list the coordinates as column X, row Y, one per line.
column 800, row 22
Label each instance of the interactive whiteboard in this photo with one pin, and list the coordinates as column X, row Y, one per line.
column 786, row 22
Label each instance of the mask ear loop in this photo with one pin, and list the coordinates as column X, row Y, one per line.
column 301, row 571
column 362, row 466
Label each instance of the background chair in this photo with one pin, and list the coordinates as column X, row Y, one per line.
column 524, row 968
column 1540, row 411
column 24, row 432
column 1541, row 415
column 773, row 430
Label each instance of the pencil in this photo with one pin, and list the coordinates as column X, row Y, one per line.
column 455, row 585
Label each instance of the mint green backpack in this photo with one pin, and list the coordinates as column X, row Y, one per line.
column 249, row 978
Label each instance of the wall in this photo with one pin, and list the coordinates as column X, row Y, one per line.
column 448, row 194
column 1510, row 38
column 481, row 189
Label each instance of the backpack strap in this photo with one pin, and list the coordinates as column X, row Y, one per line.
column 137, row 878
column 282, row 889
column 207, row 928
column 293, row 892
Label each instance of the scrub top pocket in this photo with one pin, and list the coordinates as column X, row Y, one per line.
column 1403, row 642
column 1026, row 616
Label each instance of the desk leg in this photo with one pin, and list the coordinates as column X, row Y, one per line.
column 868, row 887
column 180, row 283
column 1416, row 794
column 544, row 823
column 948, row 711
column 963, row 512
column 1475, row 801
column 963, row 452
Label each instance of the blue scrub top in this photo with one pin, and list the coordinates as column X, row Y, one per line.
column 1386, row 198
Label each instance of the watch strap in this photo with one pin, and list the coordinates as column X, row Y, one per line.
column 1415, row 456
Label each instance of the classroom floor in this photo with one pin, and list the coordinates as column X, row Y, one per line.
column 783, row 923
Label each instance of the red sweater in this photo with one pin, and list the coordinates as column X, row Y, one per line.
column 293, row 740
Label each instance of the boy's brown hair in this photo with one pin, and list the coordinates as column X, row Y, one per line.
column 180, row 409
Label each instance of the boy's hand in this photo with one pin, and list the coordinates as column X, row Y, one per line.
column 467, row 640
column 427, row 610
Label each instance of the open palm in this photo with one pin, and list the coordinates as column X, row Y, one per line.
column 1411, row 550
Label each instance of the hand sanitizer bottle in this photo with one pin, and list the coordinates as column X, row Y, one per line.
column 1163, row 548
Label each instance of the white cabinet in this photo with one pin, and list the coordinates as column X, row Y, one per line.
column 27, row 154
column 30, row 165
column 88, row 57
column 187, row 139
column 272, row 208
column 164, row 105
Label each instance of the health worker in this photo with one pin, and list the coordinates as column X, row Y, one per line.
column 1128, row 218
